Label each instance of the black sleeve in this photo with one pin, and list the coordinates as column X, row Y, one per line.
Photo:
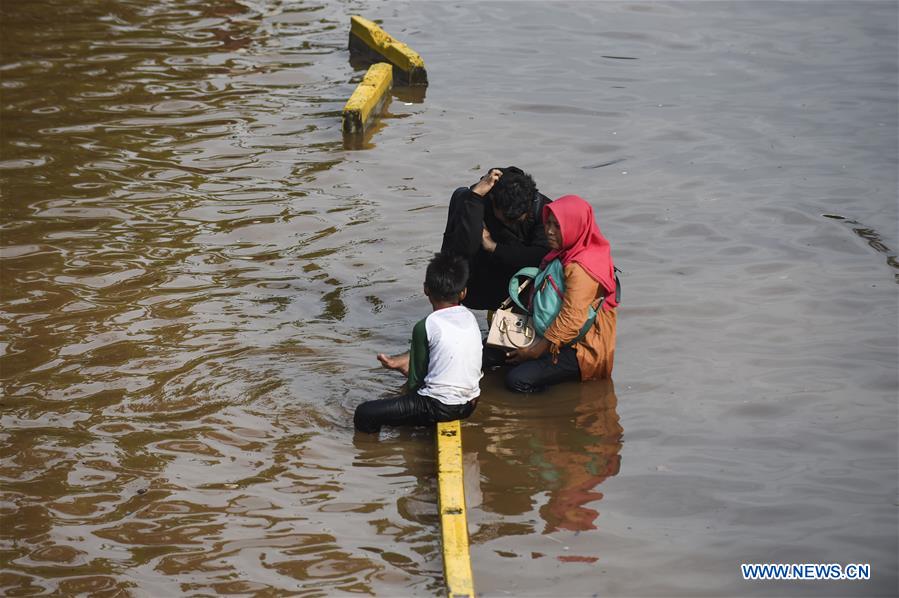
column 464, row 223
column 514, row 256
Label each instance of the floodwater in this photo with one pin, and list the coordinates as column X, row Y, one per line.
column 197, row 273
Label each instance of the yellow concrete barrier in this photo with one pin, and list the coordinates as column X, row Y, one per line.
column 369, row 96
column 453, row 518
column 373, row 43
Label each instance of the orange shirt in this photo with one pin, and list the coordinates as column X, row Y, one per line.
column 596, row 351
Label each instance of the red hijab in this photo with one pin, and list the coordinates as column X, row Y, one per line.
column 582, row 242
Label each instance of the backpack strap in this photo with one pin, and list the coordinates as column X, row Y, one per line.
column 617, row 285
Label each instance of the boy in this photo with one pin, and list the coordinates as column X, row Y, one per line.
column 443, row 364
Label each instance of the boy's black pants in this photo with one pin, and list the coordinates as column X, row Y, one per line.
column 410, row 409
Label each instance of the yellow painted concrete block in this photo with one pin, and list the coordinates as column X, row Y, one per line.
column 369, row 39
column 369, row 95
column 453, row 517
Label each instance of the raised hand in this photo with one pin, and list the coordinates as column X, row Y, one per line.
column 483, row 186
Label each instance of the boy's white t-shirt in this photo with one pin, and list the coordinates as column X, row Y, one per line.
column 454, row 356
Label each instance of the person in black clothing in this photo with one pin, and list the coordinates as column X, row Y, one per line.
column 497, row 225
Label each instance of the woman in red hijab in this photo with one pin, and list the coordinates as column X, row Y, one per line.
column 586, row 259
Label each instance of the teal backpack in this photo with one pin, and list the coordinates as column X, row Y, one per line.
column 546, row 299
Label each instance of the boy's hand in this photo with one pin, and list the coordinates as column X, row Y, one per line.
column 483, row 186
column 399, row 362
column 532, row 351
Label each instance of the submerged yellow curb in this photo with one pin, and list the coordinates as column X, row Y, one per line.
column 368, row 95
column 453, row 519
column 368, row 39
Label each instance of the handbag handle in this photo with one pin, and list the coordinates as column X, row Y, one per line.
column 504, row 329
column 505, row 304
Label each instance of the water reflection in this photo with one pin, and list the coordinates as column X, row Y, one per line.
column 547, row 453
column 574, row 458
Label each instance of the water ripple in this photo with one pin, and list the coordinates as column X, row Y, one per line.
column 197, row 273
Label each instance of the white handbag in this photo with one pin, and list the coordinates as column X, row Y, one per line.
column 510, row 330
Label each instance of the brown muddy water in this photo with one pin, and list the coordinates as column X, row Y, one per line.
column 197, row 274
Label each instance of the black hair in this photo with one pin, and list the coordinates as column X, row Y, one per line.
column 513, row 193
column 446, row 277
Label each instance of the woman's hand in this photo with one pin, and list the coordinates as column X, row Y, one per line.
column 487, row 241
column 532, row 351
column 483, row 186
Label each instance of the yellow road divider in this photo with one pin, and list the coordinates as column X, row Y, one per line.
column 453, row 519
column 373, row 43
column 369, row 96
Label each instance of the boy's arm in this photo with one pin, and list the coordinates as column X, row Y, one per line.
column 418, row 357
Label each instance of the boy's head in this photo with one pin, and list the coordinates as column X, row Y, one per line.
column 512, row 195
column 446, row 278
